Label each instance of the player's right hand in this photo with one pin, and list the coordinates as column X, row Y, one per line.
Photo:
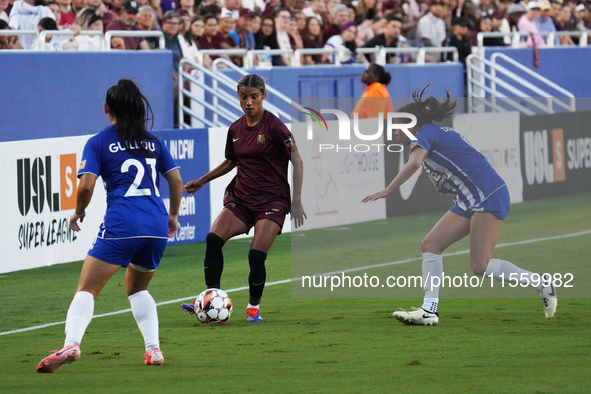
column 376, row 196
column 193, row 186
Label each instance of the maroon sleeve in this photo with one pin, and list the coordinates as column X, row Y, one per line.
column 284, row 139
column 230, row 145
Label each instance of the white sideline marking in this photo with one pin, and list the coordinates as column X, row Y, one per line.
column 279, row 282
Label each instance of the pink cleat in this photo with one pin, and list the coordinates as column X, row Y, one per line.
column 154, row 357
column 67, row 355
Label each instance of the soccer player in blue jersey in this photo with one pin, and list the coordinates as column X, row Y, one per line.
column 481, row 205
column 136, row 225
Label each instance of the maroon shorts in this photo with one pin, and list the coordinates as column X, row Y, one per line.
column 273, row 211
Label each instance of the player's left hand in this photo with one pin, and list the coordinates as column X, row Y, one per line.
column 74, row 220
column 298, row 214
column 376, row 196
column 173, row 225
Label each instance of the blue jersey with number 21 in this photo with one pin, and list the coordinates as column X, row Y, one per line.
column 134, row 206
column 455, row 167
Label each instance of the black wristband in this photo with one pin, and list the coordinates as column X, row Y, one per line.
column 79, row 213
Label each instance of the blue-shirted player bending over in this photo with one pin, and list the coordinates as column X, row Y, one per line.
column 136, row 226
column 481, row 205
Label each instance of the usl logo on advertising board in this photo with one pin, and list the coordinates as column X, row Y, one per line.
column 45, row 184
column 544, row 156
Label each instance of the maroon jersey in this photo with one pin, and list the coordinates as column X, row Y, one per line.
column 262, row 152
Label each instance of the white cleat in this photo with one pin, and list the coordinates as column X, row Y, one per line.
column 548, row 295
column 418, row 317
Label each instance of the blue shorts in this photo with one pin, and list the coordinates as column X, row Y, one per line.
column 142, row 252
column 497, row 204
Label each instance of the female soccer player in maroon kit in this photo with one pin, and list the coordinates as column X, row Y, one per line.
column 261, row 147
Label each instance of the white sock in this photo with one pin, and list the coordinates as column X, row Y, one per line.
column 498, row 267
column 144, row 311
column 432, row 268
column 78, row 318
column 252, row 306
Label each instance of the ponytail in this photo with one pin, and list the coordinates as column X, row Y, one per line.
column 130, row 108
column 430, row 109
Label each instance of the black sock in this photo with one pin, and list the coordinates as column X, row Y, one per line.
column 257, row 277
column 213, row 265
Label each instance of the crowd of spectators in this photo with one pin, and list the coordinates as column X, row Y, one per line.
column 193, row 25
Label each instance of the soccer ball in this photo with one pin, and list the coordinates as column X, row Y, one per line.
column 213, row 306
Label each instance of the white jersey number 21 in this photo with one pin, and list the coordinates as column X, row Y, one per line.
column 134, row 189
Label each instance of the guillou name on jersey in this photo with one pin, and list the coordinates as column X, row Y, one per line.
column 40, row 193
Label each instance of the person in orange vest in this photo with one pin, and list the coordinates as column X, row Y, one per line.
column 376, row 79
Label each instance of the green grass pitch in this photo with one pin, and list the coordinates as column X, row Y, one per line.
column 344, row 345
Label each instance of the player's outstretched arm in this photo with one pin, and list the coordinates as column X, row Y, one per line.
column 297, row 209
column 221, row 170
column 412, row 165
column 83, row 197
column 175, row 192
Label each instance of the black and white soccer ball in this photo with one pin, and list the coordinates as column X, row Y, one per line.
column 213, row 306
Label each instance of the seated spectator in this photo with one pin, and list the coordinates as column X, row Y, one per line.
column 211, row 38
column 67, row 18
column 113, row 13
column 340, row 16
column 413, row 11
column 317, row 9
column 26, row 16
column 300, row 21
column 89, row 19
column 471, row 13
column 375, row 98
column 344, row 43
column 77, row 6
column 527, row 24
column 266, row 38
column 53, row 42
column 171, row 22
column 485, row 25
column 53, row 6
column 3, row 14
column 255, row 24
column 369, row 29
column 431, row 28
column 544, row 22
column 501, row 25
column 312, row 38
column 514, row 13
column 367, row 10
column 190, row 40
column 8, row 42
column 226, row 25
column 242, row 34
column 458, row 39
column 587, row 18
column 388, row 39
column 579, row 15
column 185, row 21
column 295, row 34
column 128, row 21
column 285, row 41
column 147, row 22
column 213, row 9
